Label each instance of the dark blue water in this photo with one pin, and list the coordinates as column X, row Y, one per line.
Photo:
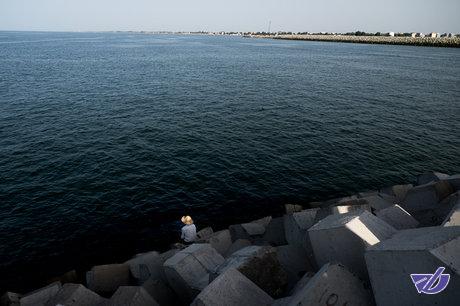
column 107, row 139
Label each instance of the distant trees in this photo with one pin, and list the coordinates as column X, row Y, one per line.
column 362, row 33
column 359, row 33
column 403, row 34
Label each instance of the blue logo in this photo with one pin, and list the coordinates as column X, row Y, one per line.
column 431, row 283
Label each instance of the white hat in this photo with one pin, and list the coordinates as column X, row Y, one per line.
column 187, row 220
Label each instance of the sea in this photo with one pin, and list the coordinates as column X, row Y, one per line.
column 107, row 139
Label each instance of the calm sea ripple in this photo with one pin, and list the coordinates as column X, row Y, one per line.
column 106, row 139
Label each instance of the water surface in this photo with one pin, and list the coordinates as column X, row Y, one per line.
column 106, row 139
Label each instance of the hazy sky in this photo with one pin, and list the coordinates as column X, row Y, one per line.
column 236, row 15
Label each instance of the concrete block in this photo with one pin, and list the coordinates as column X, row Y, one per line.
column 294, row 261
column 399, row 192
column 369, row 193
column 232, row 288
column 41, row 296
column 317, row 205
column 429, row 177
column 205, row 233
column 345, row 201
column 237, row 245
column 188, row 271
column 302, row 283
column 415, row 251
column 260, row 264
column 322, row 213
column 75, row 295
column 221, row 241
column 145, row 265
column 253, row 229
column 205, row 254
column 446, row 206
column 292, row 208
column 333, row 285
column 296, row 226
column 186, row 276
column 238, row 232
column 454, row 181
column 381, row 201
column 282, row 302
column 343, row 239
column 10, row 299
column 426, row 196
column 168, row 254
column 274, row 233
column 68, row 277
column 437, row 214
column 397, row 217
column 160, row 291
column 105, row 279
column 263, row 221
column 344, row 209
column 131, row 296
column 260, row 242
column 443, row 189
column 453, row 219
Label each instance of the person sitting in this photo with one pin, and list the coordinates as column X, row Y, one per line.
column 188, row 231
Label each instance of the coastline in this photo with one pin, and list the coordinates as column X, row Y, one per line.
column 295, row 250
column 445, row 42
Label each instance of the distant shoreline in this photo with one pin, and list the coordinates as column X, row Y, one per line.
column 446, row 42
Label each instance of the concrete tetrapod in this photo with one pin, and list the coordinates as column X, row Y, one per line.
column 416, row 251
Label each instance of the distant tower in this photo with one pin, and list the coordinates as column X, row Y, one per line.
column 269, row 26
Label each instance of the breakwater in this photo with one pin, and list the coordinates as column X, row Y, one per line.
column 451, row 42
column 357, row 250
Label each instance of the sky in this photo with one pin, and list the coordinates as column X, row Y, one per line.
column 236, row 15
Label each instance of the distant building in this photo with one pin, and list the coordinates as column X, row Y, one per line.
column 434, row 35
column 420, row 35
column 413, row 35
column 450, row 35
column 392, row 34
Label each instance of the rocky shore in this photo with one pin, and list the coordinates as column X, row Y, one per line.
column 356, row 250
column 451, row 42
